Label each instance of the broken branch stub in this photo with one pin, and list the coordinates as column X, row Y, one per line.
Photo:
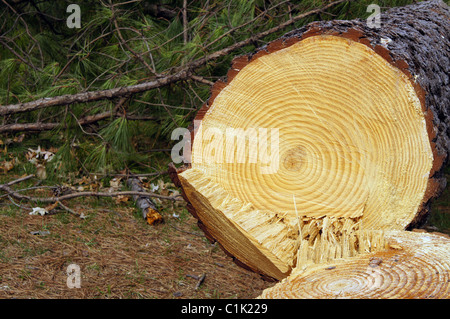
column 147, row 207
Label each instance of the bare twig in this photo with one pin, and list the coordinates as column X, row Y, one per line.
column 90, row 119
column 75, row 55
column 15, row 204
column 29, row 63
column 165, row 105
column 245, row 24
column 68, row 209
column 20, row 180
column 27, row 30
column 39, row 126
column 125, row 44
column 201, row 79
column 128, row 175
column 17, row 195
column 185, row 22
column 186, row 232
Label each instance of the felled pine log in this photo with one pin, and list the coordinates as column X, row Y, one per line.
column 416, row 265
column 322, row 141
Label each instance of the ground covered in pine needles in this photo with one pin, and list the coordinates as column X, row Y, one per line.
column 119, row 254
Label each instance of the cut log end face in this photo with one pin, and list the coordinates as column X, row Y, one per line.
column 304, row 151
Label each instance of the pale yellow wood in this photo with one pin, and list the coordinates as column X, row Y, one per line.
column 240, row 228
column 353, row 155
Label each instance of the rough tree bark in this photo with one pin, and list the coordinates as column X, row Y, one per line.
column 363, row 121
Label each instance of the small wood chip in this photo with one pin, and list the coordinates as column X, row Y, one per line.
column 40, row 232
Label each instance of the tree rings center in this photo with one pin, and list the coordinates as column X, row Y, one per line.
column 293, row 159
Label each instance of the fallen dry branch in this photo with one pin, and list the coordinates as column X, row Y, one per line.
column 39, row 126
column 128, row 175
column 82, row 194
column 67, row 209
column 19, row 180
column 17, row 195
column 90, row 119
column 183, row 73
column 93, row 95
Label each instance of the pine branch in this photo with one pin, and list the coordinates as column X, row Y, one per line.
column 92, row 96
column 29, row 63
column 182, row 74
column 27, row 30
column 90, row 119
column 125, row 44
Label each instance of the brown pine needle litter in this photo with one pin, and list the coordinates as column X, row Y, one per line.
column 119, row 255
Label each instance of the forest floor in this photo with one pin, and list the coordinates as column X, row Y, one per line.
column 121, row 256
